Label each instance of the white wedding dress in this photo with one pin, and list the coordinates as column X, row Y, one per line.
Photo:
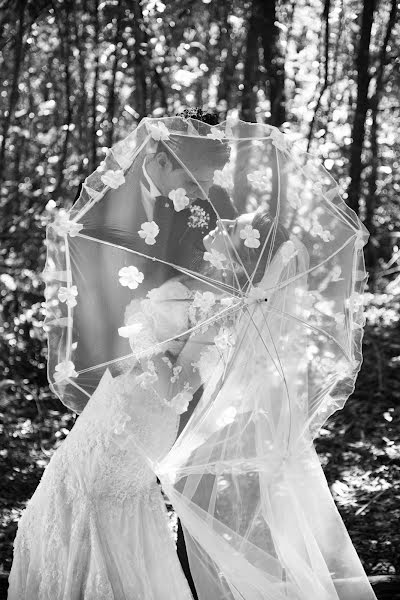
column 97, row 527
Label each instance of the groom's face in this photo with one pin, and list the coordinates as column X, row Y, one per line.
column 196, row 182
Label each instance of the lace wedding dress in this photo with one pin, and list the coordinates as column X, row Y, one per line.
column 96, row 527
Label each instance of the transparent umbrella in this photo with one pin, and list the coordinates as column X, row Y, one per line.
column 251, row 327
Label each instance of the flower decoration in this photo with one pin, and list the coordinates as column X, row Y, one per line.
column 216, row 134
column 223, row 178
column 250, row 236
column 204, row 301
column 63, row 226
column 176, row 371
column 336, row 272
column 64, row 369
column 279, row 140
column 198, row 217
column 180, row 402
column 130, row 330
column 68, row 295
column 217, row 259
column 130, row 277
column 113, row 178
column 179, row 199
column 149, row 231
column 158, row 131
column 288, row 251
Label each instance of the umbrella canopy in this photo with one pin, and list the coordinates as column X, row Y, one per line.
column 255, row 322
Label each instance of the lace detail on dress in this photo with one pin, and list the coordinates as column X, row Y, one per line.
column 98, row 470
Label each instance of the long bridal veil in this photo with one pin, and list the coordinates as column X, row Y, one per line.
column 270, row 343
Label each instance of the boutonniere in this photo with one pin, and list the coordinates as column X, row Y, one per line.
column 199, row 218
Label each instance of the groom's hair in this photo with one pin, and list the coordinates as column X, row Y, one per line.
column 197, row 151
column 198, row 114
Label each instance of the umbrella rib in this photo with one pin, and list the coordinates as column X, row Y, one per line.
column 193, row 274
column 292, row 279
column 273, row 229
column 290, row 316
column 193, row 329
column 93, row 201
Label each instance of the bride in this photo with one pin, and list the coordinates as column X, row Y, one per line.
column 96, row 526
column 232, row 370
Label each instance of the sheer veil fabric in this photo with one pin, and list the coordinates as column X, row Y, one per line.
column 266, row 335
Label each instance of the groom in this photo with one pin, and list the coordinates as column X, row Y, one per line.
column 181, row 161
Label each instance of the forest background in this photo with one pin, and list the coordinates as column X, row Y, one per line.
column 78, row 75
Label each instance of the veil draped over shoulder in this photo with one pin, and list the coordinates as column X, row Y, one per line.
column 263, row 338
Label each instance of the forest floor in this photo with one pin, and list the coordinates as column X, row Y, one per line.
column 359, row 448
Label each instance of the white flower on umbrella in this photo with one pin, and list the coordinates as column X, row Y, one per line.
column 64, row 369
column 217, row 259
column 130, row 330
column 288, row 251
column 158, row 131
column 336, row 272
column 113, row 178
column 130, row 277
column 223, row 178
column 216, row 134
column 63, row 226
column 149, row 231
column 179, row 199
column 204, row 301
column 180, row 402
column 280, row 140
column 250, row 236
column 68, row 295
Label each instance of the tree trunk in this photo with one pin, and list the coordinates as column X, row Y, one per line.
column 139, row 61
column 13, row 98
column 251, row 64
column 93, row 157
column 371, row 203
column 358, row 132
column 274, row 63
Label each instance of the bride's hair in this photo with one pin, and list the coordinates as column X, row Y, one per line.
column 263, row 222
